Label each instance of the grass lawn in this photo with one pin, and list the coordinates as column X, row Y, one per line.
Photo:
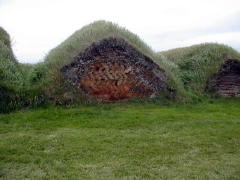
column 119, row 141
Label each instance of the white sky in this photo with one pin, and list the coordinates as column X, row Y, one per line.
column 37, row 26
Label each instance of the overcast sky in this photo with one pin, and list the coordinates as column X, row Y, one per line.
column 37, row 26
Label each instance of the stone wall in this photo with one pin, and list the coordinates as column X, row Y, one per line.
column 226, row 82
column 229, row 85
column 113, row 70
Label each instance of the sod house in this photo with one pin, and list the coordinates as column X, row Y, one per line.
column 208, row 68
column 105, row 62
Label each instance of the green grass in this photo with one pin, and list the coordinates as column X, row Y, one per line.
column 123, row 141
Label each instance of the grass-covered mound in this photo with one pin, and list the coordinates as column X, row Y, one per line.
column 10, row 75
column 199, row 63
column 107, row 62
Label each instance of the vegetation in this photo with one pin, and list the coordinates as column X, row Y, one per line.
column 123, row 141
column 10, row 75
column 15, row 91
column 199, row 62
